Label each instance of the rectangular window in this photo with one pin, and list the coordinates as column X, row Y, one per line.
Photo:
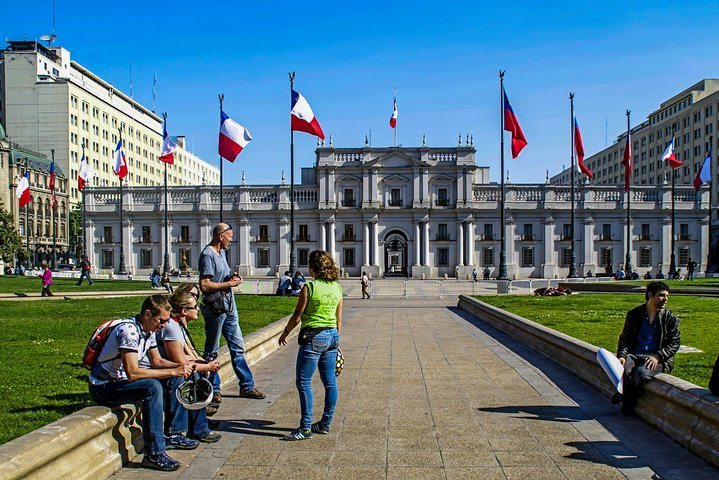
column 263, row 257
column 488, row 257
column 145, row 258
column 567, row 231
column 683, row 255
column 303, row 255
column 488, row 231
column 566, row 257
column 264, row 234
column 684, row 231
column 606, row 231
column 304, row 234
column 349, row 257
column 394, row 198
column 107, row 259
column 645, row 257
column 349, row 198
column 442, row 233
column 527, row 256
column 146, row 234
column 443, row 257
column 607, row 259
column 349, row 233
column 107, row 234
column 442, row 197
column 528, row 233
column 645, row 232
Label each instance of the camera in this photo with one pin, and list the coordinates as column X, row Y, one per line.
column 210, row 356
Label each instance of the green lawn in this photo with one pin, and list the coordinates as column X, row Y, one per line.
column 598, row 319
column 681, row 284
column 42, row 345
column 11, row 284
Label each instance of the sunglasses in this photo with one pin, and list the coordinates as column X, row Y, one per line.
column 192, row 308
column 229, row 228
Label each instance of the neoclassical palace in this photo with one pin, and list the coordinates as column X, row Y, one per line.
column 398, row 211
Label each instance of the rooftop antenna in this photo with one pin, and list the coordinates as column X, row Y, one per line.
column 50, row 37
column 154, row 90
column 131, row 94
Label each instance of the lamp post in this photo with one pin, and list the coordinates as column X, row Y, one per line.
column 573, row 264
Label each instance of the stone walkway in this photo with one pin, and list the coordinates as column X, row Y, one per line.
column 430, row 393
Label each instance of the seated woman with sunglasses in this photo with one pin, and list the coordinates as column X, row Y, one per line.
column 175, row 344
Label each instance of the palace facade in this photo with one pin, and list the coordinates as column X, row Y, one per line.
column 410, row 212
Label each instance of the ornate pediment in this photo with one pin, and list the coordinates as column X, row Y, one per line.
column 442, row 179
column 345, row 179
column 394, row 179
column 396, row 159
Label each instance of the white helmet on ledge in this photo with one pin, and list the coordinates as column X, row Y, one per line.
column 194, row 394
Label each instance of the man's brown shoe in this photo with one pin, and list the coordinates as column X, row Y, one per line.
column 254, row 393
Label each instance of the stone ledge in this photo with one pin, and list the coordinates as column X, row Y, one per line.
column 96, row 441
column 685, row 412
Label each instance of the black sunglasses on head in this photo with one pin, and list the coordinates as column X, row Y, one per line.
column 229, row 227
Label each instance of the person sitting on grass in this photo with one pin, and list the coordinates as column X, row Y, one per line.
column 165, row 281
column 647, row 344
column 175, row 344
column 155, row 279
column 117, row 378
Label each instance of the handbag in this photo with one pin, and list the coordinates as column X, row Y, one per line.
column 307, row 334
column 340, row 363
column 215, row 301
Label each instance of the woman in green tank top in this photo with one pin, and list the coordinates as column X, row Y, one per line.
column 319, row 310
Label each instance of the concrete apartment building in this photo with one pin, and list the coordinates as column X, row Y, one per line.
column 691, row 117
column 48, row 101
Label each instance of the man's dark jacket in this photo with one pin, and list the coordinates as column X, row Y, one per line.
column 669, row 339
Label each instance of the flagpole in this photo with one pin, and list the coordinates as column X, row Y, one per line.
column 84, row 219
column 573, row 264
column 121, row 270
column 222, row 98
column 166, row 264
column 53, row 205
column 502, row 275
column 628, row 255
column 709, row 237
column 395, row 125
column 292, row 183
column 27, row 214
column 672, row 256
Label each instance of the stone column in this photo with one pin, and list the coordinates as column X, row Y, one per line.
column 426, row 243
column 375, row 243
column 417, row 245
column 332, row 239
column 470, row 245
column 323, row 236
column 366, row 244
column 460, row 243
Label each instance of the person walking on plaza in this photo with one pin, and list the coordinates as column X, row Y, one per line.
column 647, row 344
column 175, row 344
column 319, row 310
column 117, row 377
column 485, row 273
column 691, row 267
column 46, row 277
column 220, row 311
column 365, row 285
column 85, row 269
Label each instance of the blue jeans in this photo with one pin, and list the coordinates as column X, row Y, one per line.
column 85, row 274
column 227, row 324
column 320, row 352
column 178, row 419
column 148, row 390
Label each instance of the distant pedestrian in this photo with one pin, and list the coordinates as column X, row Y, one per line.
column 297, row 281
column 165, row 282
column 46, row 277
column 85, row 269
column 691, row 266
column 485, row 273
column 474, row 275
column 155, row 279
column 284, row 286
column 365, row 285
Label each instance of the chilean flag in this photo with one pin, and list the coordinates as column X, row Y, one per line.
column 703, row 175
column 303, row 118
column 393, row 118
column 85, row 174
column 22, row 191
column 52, row 183
column 627, row 162
column 120, row 166
column 670, row 156
column 579, row 147
column 511, row 124
column 233, row 138
column 168, row 147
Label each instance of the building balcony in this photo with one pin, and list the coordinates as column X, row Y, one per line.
column 487, row 237
column 349, row 202
column 527, row 238
column 145, row 241
column 349, row 238
column 644, row 238
column 605, row 238
column 183, row 240
column 684, row 236
column 442, row 237
column 261, row 239
column 304, row 238
column 107, row 241
column 564, row 238
column 395, row 203
column 442, row 202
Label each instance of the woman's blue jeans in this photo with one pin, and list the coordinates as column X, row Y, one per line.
column 320, row 353
column 148, row 390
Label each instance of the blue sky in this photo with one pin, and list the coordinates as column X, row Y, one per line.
column 443, row 57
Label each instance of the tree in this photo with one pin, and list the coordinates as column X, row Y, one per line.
column 75, row 230
column 10, row 241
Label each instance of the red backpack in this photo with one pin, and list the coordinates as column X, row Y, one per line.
column 98, row 341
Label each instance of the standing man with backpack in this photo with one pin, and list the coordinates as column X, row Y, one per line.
column 116, row 376
column 85, row 268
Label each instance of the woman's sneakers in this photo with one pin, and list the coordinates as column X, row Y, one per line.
column 298, row 434
column 318, row 428
column 180, row 442
column 160, row 462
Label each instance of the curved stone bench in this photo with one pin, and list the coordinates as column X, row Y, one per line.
column 687, row 413
column 97, row 441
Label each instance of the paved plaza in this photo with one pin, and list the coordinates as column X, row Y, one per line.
column 430, row 393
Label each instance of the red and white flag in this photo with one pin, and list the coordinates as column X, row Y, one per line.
column 120, row 165
column 703, row 175
column 670, row 156
column 303, row 118
column 579, row 147
column 85, row 174
column 393, row 118
column 233, row 138
column 168, row 147
column 22, row 192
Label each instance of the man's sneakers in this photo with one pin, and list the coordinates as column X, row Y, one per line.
column 214, row 405
column 298, row 434
column 211, row 437
column 318, row 428
column 180, row 442
column 254, row 394
column 160, row 462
